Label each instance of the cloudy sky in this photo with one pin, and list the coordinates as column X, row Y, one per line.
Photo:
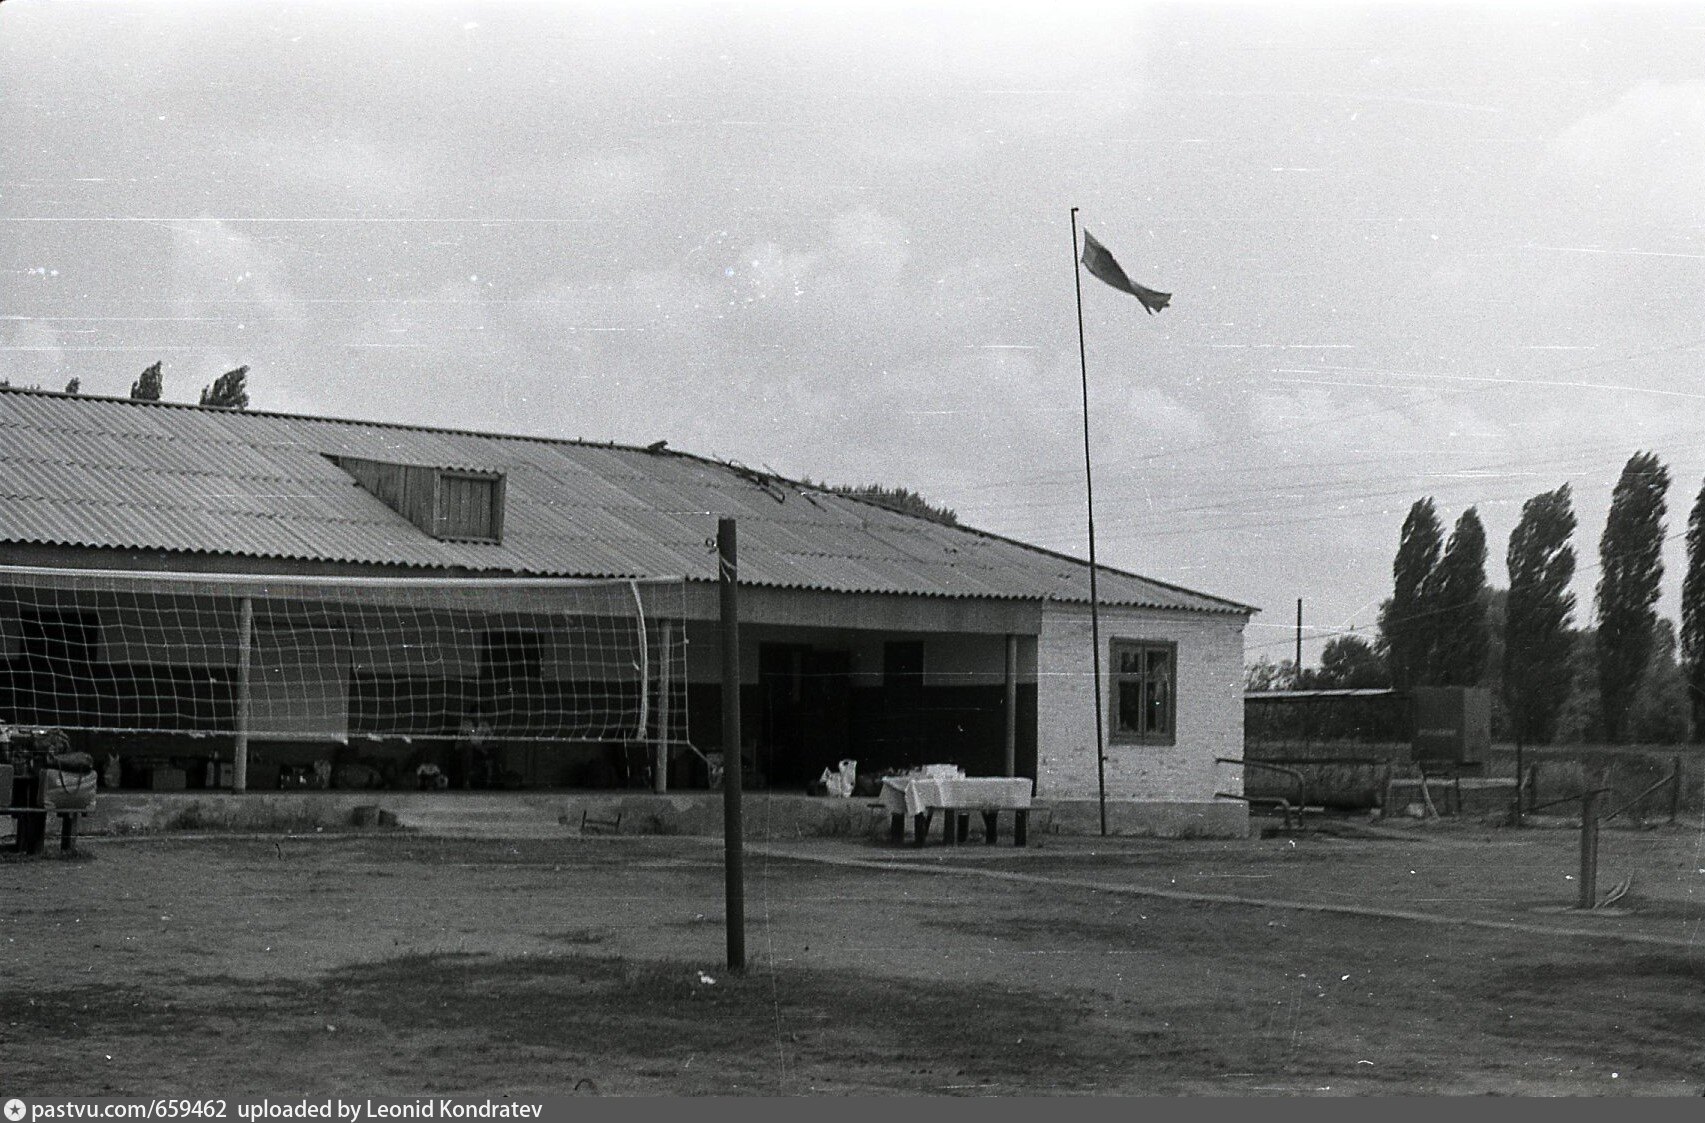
column 1447, row 251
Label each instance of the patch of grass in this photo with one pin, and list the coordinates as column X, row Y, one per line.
column 1056, row 930
column 51, row 853
column 625, row 1023
column 579, row 936
column 215, row 816
column 1636, row 1011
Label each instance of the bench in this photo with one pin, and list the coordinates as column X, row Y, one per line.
column 30, row 824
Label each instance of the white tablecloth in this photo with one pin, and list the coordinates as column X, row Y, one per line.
column 912, row 795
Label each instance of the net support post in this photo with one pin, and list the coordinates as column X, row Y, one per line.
column 733, row 756
column 660, row 751
column 245, row 695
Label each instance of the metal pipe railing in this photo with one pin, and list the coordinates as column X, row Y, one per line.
column 1283, row 804
column 1278, row 801
column 1673, row 779
column 1301, row 781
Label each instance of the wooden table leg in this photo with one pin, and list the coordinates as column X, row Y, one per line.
column 949, row 826
column 920, row 828
column 990, row 818
column 32, row 827
column 897, row 826
column 67, row 833
column 1021, row 828
column 962, row 821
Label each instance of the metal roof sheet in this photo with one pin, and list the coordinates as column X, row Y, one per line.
column 104, row 472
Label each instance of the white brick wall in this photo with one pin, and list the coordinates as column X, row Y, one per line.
column 1209, row 716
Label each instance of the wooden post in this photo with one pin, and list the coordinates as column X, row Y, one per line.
column 1299, row 643
column 1011, row 705
column 733, row 756
column 1589, row 849
column 665, row 671
column 1675, row 790
column 1516, row 812
column 245, row 699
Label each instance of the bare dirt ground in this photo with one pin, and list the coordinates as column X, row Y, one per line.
column 390, row 964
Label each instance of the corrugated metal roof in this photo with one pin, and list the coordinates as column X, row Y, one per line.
column 106, row 472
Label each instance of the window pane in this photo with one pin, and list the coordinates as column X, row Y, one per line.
column 1129, row 716
column 1159, row 719
column 1130, row 662
column 1159, row 703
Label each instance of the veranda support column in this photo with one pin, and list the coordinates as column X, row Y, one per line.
column 245, row 644
column 1011, row 705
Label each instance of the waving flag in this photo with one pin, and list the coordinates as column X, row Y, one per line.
column 1101, row 265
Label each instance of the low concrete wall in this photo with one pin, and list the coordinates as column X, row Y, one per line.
column 552, row 814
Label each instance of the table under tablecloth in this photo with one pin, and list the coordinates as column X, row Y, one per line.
column 913, row 795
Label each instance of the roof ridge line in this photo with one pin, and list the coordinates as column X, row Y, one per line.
column 408, row 425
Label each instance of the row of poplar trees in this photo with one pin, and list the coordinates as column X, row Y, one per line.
column 1439, row 627
column 229, row 391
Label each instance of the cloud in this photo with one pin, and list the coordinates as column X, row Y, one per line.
column 872, row 243
column 1645, row 153
column 232, row 286
column 215, row 266
column 35, row 355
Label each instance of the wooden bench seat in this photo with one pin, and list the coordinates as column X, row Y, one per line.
column 30, row 825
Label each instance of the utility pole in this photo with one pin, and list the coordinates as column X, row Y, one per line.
column 1299, row 641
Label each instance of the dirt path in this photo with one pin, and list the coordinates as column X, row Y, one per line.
column 1495, row 880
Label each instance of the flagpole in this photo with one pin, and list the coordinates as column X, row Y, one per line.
column 1089, row 496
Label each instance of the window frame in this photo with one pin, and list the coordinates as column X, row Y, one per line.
column 1118, row 645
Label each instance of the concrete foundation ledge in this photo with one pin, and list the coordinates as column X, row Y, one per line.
column 766, row 815
column 1218, row 819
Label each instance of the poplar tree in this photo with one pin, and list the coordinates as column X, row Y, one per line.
column 1693, row 616
column 147, row 387
column 1538, row 618
column 1630, row 568
column 1459, row 606
column 1407, row 626
column 229, row 390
